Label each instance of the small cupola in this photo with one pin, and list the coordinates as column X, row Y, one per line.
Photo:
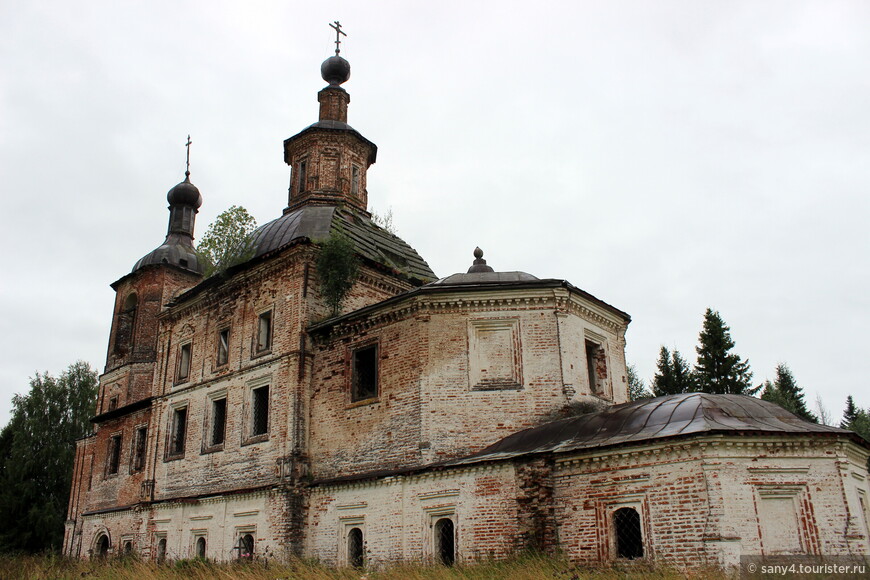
column 177, row 250
column 329, row 159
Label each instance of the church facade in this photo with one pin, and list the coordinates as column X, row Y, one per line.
column 239, row 418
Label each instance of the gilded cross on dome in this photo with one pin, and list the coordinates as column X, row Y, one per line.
column 338, row 34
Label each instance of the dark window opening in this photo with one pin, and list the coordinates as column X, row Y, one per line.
column 354, row 180
column 303, row 171
column 183, row 364
column 161, row 550
column 445, row 544
column 200, row 547
column 264, row 331
column 355, row 552
column 260, row 411
column 139, row 444
column 218, row 421
column 114, row 454
column 126, row 322
column 179, row 430
column 629, row 540
column 128, row 548
column 102, row 546
column 113, row 403
column 364, row 382
column 596, row 367
column 246, row 547
column 223, row 351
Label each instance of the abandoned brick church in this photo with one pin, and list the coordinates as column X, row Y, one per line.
column 236, row 418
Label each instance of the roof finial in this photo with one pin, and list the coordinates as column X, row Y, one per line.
column 187, row 171
column 338, row 34
column 479, row 264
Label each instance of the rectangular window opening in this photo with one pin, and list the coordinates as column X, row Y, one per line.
column 179, row 431
column 183, row 364
column 364, row 382
column 223, row 351
column 596, row 367
column 354, row 182
column 264, row 332
column 218, row 421
column 114, row 454
column 303, row 170
column 139, row 445
column 260, row 411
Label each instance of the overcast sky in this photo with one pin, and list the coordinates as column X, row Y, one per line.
column 664, row 156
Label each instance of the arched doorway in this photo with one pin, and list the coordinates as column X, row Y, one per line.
column 629, row 540
column 246, row 547
column 200, row 547
column 161, row 550
column 445, row 542
column 355, row 550
column 101, row 547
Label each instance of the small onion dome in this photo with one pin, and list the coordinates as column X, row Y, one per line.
column 185, row 193
column 335, row 70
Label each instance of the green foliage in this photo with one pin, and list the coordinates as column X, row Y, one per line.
column 718, row 370
column 856, row 419
column 37, row 451
column 636, row 387
column 785, row 392
column 673, row 375
column 850, row 413
column 337, row 268
column 227, row 241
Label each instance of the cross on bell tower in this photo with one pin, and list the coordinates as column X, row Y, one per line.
column 338, row 34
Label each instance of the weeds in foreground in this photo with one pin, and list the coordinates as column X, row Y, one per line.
column 525, row 567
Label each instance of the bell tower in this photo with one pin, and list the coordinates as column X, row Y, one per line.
column 329, row 159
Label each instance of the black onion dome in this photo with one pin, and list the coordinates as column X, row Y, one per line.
column 335, row 70
column 175, row 251
column 185, row 193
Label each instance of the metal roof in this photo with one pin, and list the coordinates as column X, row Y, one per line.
column 648, row 420
column 316, row 222
column 176, row 251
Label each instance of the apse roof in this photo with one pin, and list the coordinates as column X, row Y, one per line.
column 651, row 419
column 641, row 421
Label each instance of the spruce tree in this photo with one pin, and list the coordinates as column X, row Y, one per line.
column 785, row 392
column 719, row 370
column 673, row 375
column 850, row 414
column 636, row 387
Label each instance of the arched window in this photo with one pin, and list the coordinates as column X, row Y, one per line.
column 161, row 550
column 355, row 552
column 101, row 548
column 128, row 548
column 125, row 327
column 200, row 547
column 445, row 544
column 629, row 540
column 246, row 547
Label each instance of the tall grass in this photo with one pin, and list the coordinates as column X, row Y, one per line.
column 526, row 567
